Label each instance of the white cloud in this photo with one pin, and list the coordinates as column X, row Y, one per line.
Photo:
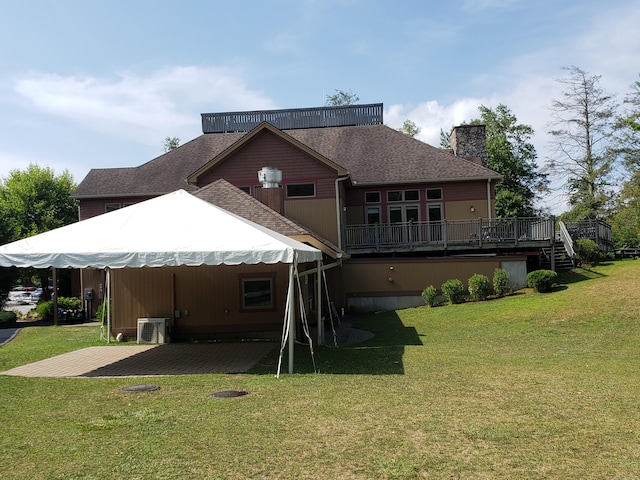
column 432, row 116
column 142, row 107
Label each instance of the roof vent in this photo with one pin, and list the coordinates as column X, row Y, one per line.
column 270, row 177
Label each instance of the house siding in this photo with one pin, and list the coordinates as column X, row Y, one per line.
column 92, row 207
column 207, row 298
column 377, row 284
column 457, row 200
column 267, row 150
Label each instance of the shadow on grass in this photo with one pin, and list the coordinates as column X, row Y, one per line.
column 577, row 275
column 381, row 355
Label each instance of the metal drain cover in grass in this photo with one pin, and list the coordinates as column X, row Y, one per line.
column 140, row 388
column 229, row 394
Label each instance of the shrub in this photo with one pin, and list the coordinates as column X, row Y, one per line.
column 587, row 251
column 66, row 304
column 501, row 282
column 8, row 319
column 430, row 296
column 541, row 280
column 454, row 290
column 479, row 287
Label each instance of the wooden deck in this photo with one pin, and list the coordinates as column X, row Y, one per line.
column 450, row 235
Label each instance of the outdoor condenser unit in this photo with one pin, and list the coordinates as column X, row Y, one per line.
column 153, row 330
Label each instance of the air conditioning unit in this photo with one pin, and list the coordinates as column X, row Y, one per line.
column 153, row 330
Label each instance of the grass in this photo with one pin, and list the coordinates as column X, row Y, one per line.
column 530, row 386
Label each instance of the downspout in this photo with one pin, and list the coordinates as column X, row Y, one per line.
column 489, row 198
column 338, row 211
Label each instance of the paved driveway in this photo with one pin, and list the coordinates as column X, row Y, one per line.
column 149, row 360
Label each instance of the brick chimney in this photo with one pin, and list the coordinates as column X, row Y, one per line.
column 470, row 142
column 271, row 193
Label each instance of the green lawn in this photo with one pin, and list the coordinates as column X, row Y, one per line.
column 535, row 386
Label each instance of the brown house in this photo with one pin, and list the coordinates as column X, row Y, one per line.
column 391, row 214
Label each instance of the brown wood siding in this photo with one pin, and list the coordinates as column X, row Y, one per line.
column 268, row 150
column 457, row 199
column 93, row 207
column 319, row 215
column 207, row 297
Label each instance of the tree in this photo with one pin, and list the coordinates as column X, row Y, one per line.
column 171, row 143
column 409, row 128
column 582, row 129
column 341, row 98
column 445, row 140
column 34, row 201
column 511, row 154
column 625, row 221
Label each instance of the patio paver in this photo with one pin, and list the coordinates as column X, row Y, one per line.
column 149, row 360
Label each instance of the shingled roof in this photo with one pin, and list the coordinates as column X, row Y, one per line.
column 373, row 155
column 224, row 195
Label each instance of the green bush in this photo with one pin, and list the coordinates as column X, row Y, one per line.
column 430, row 296
column 479, row 287
column 8, row 319
column 541, row 280
column 453, row 290
column 66, row 304
column 587, row 251
column 500, row 282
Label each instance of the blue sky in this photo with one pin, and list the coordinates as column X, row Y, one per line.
column 98, row 84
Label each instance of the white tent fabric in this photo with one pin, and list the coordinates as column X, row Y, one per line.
column 170, row 230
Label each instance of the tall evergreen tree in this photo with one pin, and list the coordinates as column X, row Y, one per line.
column 581, row 153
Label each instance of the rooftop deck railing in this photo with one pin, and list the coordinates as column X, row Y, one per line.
column 317, row 117
column 449, row 233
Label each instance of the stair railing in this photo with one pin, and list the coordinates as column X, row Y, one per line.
column 567, row 241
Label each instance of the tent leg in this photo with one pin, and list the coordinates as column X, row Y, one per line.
column 319, row 322
column 108, row 307
column 292, row 319
column 55, row 295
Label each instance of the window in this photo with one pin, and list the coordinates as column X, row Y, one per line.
column 110, row 207
column 373, row 215
column 394, row 196
column 403, row 195
column 257, row 293
column 372, row 197
column 301, row 190
column 434, row 194
column 246, row 190
column 411, row 195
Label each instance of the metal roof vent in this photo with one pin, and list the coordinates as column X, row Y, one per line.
column 270, row 177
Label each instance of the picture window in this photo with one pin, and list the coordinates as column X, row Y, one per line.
column 257, row 293
column 301, row 190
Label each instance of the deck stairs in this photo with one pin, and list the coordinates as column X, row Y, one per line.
column 563, row 260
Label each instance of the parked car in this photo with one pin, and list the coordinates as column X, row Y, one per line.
column 19, row 297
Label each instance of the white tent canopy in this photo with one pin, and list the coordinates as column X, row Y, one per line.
column 171, row 230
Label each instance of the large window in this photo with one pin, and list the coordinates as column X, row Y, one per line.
column 110, row 207
column 301, row 190
column 257, row 293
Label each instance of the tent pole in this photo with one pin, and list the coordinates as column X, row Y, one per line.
column 55, row 295
column 108, row 295
column 292, row 319
column 319, row 322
